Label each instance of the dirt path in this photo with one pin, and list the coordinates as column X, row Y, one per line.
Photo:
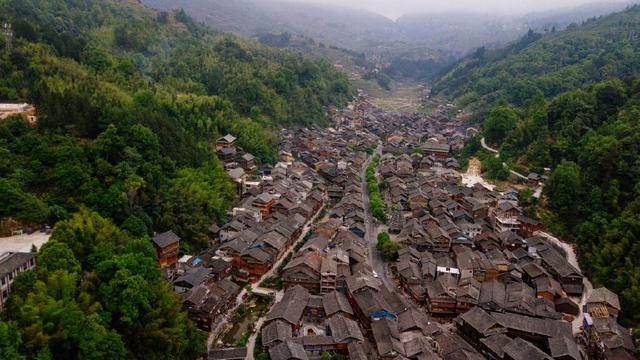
column 474, row 175
column 489, row 149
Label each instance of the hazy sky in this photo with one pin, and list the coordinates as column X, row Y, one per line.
column 396, row 8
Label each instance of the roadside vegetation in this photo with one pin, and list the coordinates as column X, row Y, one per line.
column 387, row 247
column 373, row 187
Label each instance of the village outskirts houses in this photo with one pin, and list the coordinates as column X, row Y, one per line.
column 26, row 111
column 12, row 264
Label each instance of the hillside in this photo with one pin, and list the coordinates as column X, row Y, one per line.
column 569, row 101
column 97, row 71
column 548, row 64
column 129, row 102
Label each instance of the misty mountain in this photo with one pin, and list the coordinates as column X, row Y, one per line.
column 342, row 27
column 455, row 33
column 548, row 64
column 460, row 33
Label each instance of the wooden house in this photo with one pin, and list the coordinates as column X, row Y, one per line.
column 264, row 202
column 227, row 141
column 167, row 246
column 248, row 162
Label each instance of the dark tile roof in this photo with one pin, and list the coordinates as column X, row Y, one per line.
column 292, row 305
column 544, row 327
column 344, row 329
column 520, row 349
column 496, row 343
column 335, row 302
column 227, row 354
column 165, row 239
column 387, row 337
column 288, row 350
column 604, row 295
column 480, row 320
column 275, row 332
column 561, row 346
column 193, row 277
column 359, row 350
column 13, row 261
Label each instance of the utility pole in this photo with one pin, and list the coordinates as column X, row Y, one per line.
column 7, row 31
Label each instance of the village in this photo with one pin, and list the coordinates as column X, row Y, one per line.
column 297, row 273
column 474, row 276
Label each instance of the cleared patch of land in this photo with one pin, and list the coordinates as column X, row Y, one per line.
column 402, row 97
column 23, row 243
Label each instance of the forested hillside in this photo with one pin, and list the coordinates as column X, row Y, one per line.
column 127, row 97
column 571, row 101
column 129, row 102
column 548, row 64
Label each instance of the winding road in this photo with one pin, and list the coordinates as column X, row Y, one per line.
column 489, row 149
column 536, row 193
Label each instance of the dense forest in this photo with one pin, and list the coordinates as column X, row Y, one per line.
column 547, row 64
column 129, row 102
column 570, row 101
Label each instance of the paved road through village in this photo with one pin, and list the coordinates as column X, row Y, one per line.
column 376, row 261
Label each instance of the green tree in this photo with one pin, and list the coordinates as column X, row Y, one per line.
column 84, row 231
column 387, row 247
column 10, row 341
column 55, row 255
column 563, row 190
column 197, row 198
column 500, row 121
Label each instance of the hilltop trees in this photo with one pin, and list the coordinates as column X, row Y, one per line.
column 113, row 305
column 563, row 190
column 129, row 104
column 499, row 123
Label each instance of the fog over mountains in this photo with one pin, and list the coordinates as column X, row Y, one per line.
column 397, row 8
column 455, row 31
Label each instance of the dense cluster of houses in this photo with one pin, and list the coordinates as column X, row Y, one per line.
column 473, row 280
column 276, row 203
column 334, row 301
column 270, row 217
column 473, row 246
column 477, row 281
column 604, row 336
column 472, row 252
